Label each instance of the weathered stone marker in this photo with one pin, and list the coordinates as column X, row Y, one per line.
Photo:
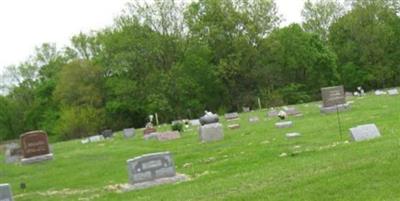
column 364, row 132
column 129, row 132
column 234, row 126
column 284, row 124
column 393, row 92
column 232, row 116
column 333, row 99
column 152, row 169
column 147, row 131
column 5, row 192
column 13, row 153
column 292, row 135
column 107, row 133
column 210, row 130
column 254, row 119
column 163, row 136
column 194, row 122
column 35, row 147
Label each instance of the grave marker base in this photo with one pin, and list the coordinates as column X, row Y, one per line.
column 37, row 159
column 147, row 184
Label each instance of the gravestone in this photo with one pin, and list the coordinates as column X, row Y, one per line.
column 13, row 153
column 151, row 170
column 129, row 132
column 292, row 135
column 273, row 113
column 195, row 122
column 169, row 135
column 291, row 111
column 254, row 119
column 393, row 92
column 364, row 132
column 150, row 130
column 246, row 109
column 380, row 92
column 35, row 147
column 96, row 138
column 284, row 124
column 150, row 167
column 333, row 99
column 5, row 192
column 234, row 126
column 107, row 133
column 231, row 116
column 211, row 132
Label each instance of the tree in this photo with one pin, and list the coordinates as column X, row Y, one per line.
column 319, row 15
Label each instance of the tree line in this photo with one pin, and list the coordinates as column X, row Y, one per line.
column 179, row 59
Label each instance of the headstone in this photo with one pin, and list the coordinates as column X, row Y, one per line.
column 333, row 99
column 129, row 132
column 107, row 133
column 211, row 132
column 364, row 132
column 284, row 124
column 246, row 109
column 234, row 126
column 96, row 138
column 393, row 92
column 209, row 118
column 35, row 147
column 194, row 122
column 291, row 111
column 293, row 135
column 5, row 192
column 13, row 153
column 232, row 116
column 254, row 119
column 169, row 135
column 273, row 113
column 150, row 167
column 147, row 131
column 380, row 92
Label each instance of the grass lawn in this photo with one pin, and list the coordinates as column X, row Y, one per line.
column 246, row 165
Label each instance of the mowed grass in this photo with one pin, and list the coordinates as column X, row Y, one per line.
column 246, row 165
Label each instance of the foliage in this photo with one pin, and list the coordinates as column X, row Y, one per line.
column 177, row 127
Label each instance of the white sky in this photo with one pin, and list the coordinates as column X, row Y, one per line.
column 25, row 24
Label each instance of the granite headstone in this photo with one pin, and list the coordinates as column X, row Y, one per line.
column 129, row 132
column 5, row 192
column 231, row 116
column 13, row 153
column 333, row 99
column 364, row 132
column 35, row 147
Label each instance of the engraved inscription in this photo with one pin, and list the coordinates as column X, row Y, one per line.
column 151, row 164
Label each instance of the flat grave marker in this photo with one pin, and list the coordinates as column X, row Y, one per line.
column 364, row 132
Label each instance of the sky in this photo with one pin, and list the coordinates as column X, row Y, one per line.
column 25, row 24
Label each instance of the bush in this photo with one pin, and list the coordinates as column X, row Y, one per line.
column 177, row 127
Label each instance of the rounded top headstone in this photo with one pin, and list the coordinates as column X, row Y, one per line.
column 209, row 118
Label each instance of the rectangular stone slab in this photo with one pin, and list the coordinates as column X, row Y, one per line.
column 194, row 122
column 169, row 135
column 129, row 132
column 150, row 167
column 364, row 132
column 393, row 92
column 211, row 132
column 332, row 96
column 13, row 153
column 254, row 119
column 5, row 192
column 231, row 116
column 34, row 143
column 284, row 124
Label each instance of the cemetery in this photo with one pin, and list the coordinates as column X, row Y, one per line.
column 200, row 100
column 199, row 161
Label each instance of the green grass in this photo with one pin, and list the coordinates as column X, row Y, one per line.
column 244, row 166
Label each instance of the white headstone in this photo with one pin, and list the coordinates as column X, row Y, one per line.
column 364, row 132
column 284, row 124
column 393, row 92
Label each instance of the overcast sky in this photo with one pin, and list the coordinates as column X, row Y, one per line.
column 25, row 24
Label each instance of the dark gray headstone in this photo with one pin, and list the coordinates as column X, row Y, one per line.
column 211, row 132
column 231, row 116
column 150, row 167
column 107, row 133
column 332, row 96
column 5, row 192
column 209, row 119
column 129, row 132
column 364, row 132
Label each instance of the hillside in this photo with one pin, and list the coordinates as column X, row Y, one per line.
column 246, row 165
